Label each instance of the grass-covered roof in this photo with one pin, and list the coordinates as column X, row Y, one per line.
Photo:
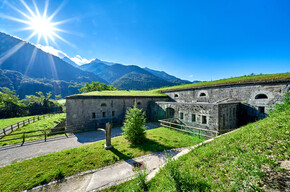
column 278, row 77
column 151, row 93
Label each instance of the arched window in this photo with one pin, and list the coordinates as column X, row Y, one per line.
column 261, row 96
column 103, row 105
column 175, row 95
column 202, row 94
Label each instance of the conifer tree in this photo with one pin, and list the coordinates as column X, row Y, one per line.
column 134, row 125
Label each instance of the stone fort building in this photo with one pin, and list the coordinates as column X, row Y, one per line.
column 213, row 107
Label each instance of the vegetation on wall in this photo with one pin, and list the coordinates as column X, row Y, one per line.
column 240, row 80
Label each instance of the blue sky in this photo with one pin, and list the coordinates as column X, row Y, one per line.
column 194, row 40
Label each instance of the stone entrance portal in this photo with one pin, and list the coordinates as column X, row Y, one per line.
column 169, row 113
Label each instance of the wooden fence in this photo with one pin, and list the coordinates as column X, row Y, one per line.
column 43, row 132
column 9, row 129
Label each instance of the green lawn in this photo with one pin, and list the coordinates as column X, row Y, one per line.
column 242, row 79
column 46, row 123
column 244, row 160
column 125, row 93
column 30, row 173
column 10, row 121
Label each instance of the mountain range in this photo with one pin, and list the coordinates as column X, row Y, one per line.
column 27, row 69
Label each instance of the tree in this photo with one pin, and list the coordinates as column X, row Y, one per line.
column 96, row 86
column 10, row 105
column 134, row 125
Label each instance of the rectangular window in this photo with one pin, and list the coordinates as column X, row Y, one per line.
column 261, row 109
column 204, row 120
column 113, row 113
column 181, row 115
column 104, row 114
column 193, row 118
column 93, row 115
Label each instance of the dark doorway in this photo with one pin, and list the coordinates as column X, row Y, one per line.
column 169, row 113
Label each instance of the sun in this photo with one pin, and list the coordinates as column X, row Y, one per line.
column 42, row 26
column 38, row 23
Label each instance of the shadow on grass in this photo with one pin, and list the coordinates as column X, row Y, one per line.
column 150, row 145
column 147, row 145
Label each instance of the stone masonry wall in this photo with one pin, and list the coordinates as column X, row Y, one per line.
column 88, row 112
column 244, row 93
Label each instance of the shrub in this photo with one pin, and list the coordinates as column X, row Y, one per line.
column 134, row 125
column 285, row 105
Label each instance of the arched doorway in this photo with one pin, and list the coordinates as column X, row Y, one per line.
column 169, row 113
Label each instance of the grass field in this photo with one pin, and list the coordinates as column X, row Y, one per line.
column 30, row 173
column 125, row 93
column 248, row 78
column 10, row 121
column 46, row 123
column 244, row 160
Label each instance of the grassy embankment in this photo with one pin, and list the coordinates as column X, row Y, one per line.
column 46, row 123
column 241, row 79
column 30, row 173
column 244, row 160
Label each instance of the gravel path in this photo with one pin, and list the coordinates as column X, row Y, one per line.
column 15, row 153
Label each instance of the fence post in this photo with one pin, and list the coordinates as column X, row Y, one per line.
column 23, row 137
column 199, row 133
column 4, row 131
column 38, row 118
column 23, row 122
column 11, row 128
column 33, row 119
column 17, row 125
column 45, row 135
column 28, row 121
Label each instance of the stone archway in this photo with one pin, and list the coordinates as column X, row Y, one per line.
column 169, row 113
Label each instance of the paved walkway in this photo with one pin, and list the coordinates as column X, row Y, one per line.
column 15, row 153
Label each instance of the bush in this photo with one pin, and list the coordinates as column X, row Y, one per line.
column 285, row 105
column 134, row 125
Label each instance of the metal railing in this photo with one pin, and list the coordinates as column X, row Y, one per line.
column 175, row 123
